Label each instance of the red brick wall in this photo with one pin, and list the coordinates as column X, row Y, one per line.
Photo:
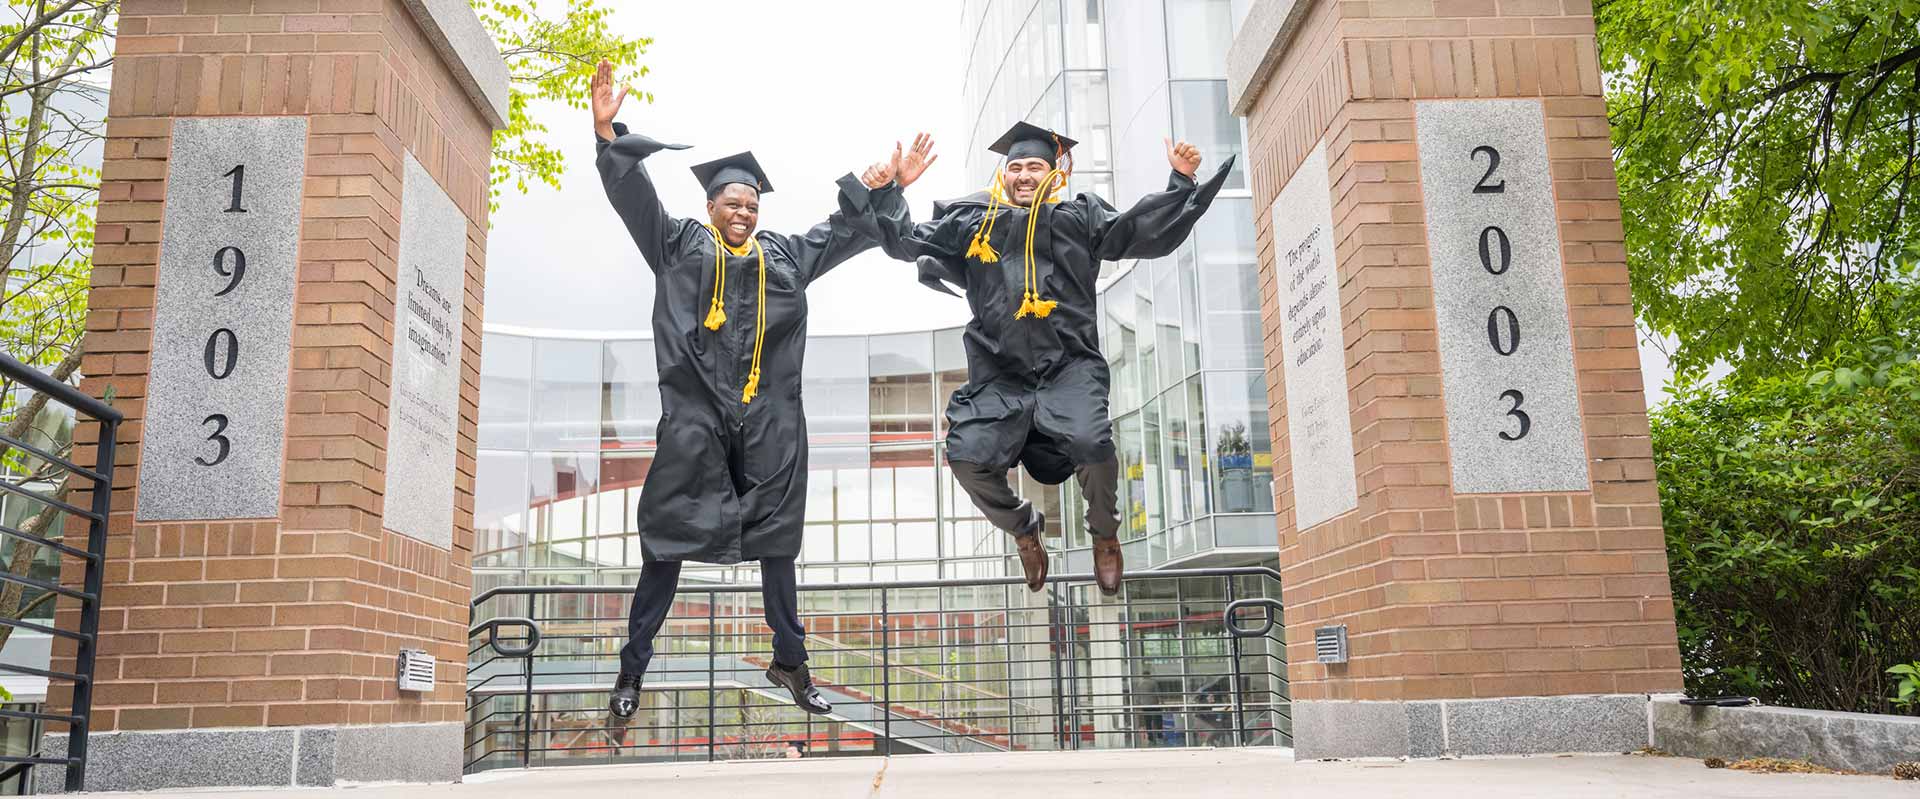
column 294, row 620
column 1445, row 595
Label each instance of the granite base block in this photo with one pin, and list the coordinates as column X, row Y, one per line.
column 1850, row 741
column 1523, row 725
column 260, row 757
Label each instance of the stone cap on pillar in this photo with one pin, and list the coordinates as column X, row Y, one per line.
column 455, row 31
column 1263, row 37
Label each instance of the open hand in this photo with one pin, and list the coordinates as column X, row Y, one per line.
column 1184, row 157
column 877, row 175
column 606, row 101
column 908, row 166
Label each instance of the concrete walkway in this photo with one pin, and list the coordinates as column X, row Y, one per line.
column 1143, row 774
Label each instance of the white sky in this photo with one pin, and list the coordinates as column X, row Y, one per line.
column 815, row 90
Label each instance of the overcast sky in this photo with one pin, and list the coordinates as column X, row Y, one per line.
column 815, row 90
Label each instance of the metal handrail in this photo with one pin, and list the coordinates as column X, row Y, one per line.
column 93, row 561
column 885, row 670
column 970, row 582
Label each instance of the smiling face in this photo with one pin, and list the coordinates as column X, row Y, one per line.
column 1022, row 178
column 735, row 212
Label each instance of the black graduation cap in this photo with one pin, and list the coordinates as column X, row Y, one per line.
column 1031, row 141
column 736, row 168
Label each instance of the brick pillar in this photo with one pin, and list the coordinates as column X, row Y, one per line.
column 1502, row 580
column 262, row 575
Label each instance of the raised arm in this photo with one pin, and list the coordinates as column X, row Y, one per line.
column 878, row 205
column 629, row 188
column 1156, row 225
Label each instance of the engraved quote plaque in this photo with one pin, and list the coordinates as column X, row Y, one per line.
column 1506, row 349
column 424, row 412
column 1319, row 424
column 213, row 438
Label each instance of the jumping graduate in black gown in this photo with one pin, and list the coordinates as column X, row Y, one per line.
column 729, row 482
column 1027, row 260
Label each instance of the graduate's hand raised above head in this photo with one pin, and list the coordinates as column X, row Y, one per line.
column 1184, row 157
column 909, row 165
column 606, row 101
column 877, row 175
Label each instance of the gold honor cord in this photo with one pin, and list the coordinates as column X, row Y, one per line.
column 981, row 247
column 716, row 313
column 1030, row 302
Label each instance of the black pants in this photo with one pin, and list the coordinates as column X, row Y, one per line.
column 1099, row 484
column 653, row 597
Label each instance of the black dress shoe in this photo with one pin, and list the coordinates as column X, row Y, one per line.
column 626, row 697
column 799, row 682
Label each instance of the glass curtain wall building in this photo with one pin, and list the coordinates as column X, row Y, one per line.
column 1182, row 333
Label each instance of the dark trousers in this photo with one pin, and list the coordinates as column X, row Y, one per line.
column 1099, row 485
column 653, row 597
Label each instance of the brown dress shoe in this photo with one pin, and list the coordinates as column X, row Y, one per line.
column 1107, row 565
column 1033, row 559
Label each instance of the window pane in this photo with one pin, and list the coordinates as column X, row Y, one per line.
column 900, row 387
column 1133, row 490
column 950, row 365
column 1199, row 33
column 835, row 386
column 1242, row 454
column 632, row 393
column 500, row 509
column 1166, row 324
column 1201, row 117
column 1123, row 347
column 506, row 363
column 1151, row 465
column 566, row 378
column 561, row 500
column 1087, row 121
column 1230, row 281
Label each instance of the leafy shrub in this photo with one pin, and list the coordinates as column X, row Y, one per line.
column 1792, row 508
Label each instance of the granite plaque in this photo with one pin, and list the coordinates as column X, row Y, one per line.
column 1506, row 349
column 424, row 412
column 1319, row 424
column 213, row 440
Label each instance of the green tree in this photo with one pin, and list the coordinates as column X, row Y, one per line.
column 550, row 59
column 1766, row 152
column 1792, row 508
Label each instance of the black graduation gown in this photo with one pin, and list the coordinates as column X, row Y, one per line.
column 729, row 482
column 1037, row 388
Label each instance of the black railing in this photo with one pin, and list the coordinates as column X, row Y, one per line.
column 1188, row 657
column 99, row 480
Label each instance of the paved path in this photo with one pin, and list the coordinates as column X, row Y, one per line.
column 1143, row 774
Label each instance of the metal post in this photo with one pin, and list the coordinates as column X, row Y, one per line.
column 1006, row 622
column 713, row 600
column 93, row 575
column 1072, row 692
column 526, row 708
column 886, row 676
column 1233, row 642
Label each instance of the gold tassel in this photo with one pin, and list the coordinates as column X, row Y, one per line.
column 753, row 386
column 982, row 250
column 715, row 316
column 1044, row 308
column 1026, row 307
